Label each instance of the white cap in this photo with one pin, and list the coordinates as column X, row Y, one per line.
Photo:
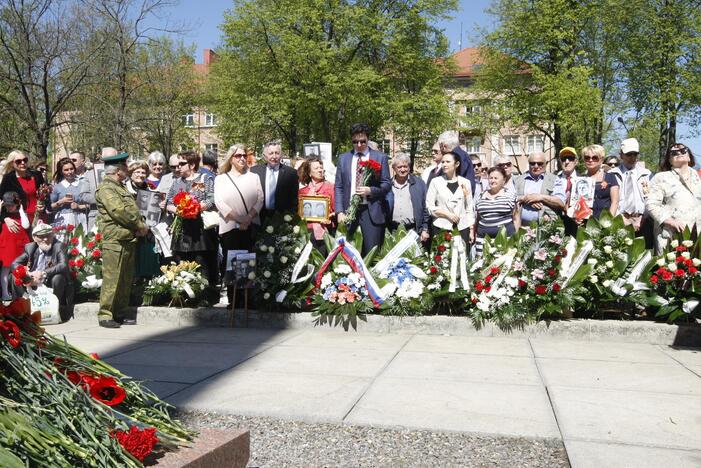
column 630, row 145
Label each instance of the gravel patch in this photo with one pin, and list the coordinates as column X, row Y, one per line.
column 276, row 442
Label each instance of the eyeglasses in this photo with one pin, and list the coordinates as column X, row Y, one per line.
column 591, row 158
column 477, row 164
column 503, row 165
column 673, row 153
column 173, row 167
column 612, row 164
column 359, row 142
column 237, row 156
column 21, row 161
column 568, row 159
column 183, row 163
column 536, row 163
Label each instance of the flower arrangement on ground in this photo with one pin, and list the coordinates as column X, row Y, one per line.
column 62, row 407
column 449, row 288
column 280, row 243
column 405, row 292
column 342, row 293
column 676, row 279
column 180, row 285
column 369, row 169
column 186, row 207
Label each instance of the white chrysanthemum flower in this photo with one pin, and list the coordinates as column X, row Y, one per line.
column 591, row 261
column 269, row 230
column 594, row 279
column 271, row 249
column 252, row 275
column 608, row 249
column 298, row 250
column 674, row 243
column 671, row 256
column 252, row 263
column 283, row 259
column 287, row 218
column 326, row 280
column 686, row 255
column 342, row 269
column 263, row 248
column 267, row 274
column 607, row 283
column 609, row 264
column 628, row 241
column 295, row 229
column 696, row 261
column 687, row 243
column 266, row 296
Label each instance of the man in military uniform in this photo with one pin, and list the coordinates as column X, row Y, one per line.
column 120, row 223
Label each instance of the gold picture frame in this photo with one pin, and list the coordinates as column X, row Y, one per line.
column 311, row 206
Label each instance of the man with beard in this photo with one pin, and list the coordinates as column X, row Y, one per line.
column 47, row 264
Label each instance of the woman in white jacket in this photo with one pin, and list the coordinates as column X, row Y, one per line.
column 449, row 199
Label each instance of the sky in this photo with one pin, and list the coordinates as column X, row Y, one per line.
column 204, row 19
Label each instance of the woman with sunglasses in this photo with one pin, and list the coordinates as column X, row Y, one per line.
column 238, row 195
column 194, row 242
column 23, row 180
column 674, row 200
column 605, row 184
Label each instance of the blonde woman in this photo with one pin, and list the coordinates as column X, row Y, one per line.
column 605, row 184
column 24, row 181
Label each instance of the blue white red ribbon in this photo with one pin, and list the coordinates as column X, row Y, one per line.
column 351, row 255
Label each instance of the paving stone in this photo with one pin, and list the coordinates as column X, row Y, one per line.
column 233, row 336
column 164, row 389
column 627, row 417
column 470, row 345
column 687, row 356
column 446, row 405
column 599, row 455
column 470, row 368
column 170, row 374
column 347, row 340
column 104, row 347
column 597, row 351
column 192, row 355
column 314, row 398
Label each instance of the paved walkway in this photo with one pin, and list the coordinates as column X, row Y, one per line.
column 613, row 404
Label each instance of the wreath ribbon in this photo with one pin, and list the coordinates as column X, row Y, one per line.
column 458, row 259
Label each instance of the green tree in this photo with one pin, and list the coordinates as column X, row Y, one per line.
column 305, row 70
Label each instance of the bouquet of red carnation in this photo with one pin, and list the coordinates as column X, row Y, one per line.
column 369, row 169
column 21, row 276
column 187, row 207
column 42, row 194
column 676, row 277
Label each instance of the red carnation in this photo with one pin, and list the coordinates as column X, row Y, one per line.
column 661, row 271
column 556, row 287
column 96, row 253
column 106, row 390
column 98, row 237
column 667, row 275
column 521, row 283
column 488, row 279
column 679, row 272
column 138, row 442
column 95, row 356
column 487, row 289
column 10, row 331
column 654, row 279
column 693, row 270
column 541, row 289
column 80, row 262
column 73, row 252
column 71, row 263
column 688, row 262
column 438, row 258
column 474, row 300
column 681, row 248
column 441, row 248
column 74, row 274
column 91, row 244
column 74, row 240
column 552, row 272
column 70, row 228
column 479, row 286
column 557, row 259
column 494, row 271
column 448, row 236
column 563, row 252
column 680, row 259
column 433, row 270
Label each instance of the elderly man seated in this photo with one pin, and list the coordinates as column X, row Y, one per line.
column 46, row 261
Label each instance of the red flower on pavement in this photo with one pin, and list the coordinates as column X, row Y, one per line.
column 556, row 287
column 474, row 300
column 10, row 331
column 96, row 253
column 139, row 443
column 74, row 274
column 654, row 279
column 106, row 390
column 487, row 289
column 494, row 271
column 541, row 289
column 488, row 279
column 563, row 252
column 557, row 259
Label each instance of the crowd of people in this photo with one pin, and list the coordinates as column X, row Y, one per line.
column 456, row 192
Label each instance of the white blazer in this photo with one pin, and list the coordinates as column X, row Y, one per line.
column 459, row 203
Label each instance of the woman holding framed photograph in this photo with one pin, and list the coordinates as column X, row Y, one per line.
column 311, row 176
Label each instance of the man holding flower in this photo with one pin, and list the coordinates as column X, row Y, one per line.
column 361, row 185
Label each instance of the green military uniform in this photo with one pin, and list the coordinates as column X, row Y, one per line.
column 118, row 220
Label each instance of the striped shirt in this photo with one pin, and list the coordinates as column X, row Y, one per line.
column 495, row 212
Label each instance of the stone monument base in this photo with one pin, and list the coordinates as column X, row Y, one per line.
column 212, row 448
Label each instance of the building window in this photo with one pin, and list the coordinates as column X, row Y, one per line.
column 210, row 120
column 385, row 146
column 473, row 144
column 473, row 109
column 512, row 144
column 534, row 144
column 189, row 120
column 211, row 147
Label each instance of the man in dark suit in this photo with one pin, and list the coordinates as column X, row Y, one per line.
column 47, row 264
column 450, row 143
column 280, row 183
column 372, row 210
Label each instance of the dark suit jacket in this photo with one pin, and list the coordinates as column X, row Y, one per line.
column 379, row 186
column 58, row 262
column 287, row 188
column 467, row 170
column 417, row 192
column 11, row 184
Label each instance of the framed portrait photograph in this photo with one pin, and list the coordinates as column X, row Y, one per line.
column 312, row 149
column 314, row 208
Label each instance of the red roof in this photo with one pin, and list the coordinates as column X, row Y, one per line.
column 468, row 61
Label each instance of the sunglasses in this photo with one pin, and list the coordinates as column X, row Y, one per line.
column 183, row 163
column 673, row 153
column 359, row 142
column 613, row 164
column 237, row 156
column 503, row 165
column 536, row 163
column 477, row 164
column 568, row 159
column 173, row 167
column 21, row 161
column 632, row 154
column 591, row 158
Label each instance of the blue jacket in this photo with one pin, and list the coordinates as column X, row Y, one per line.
column 417, row 192
column 379, row 186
